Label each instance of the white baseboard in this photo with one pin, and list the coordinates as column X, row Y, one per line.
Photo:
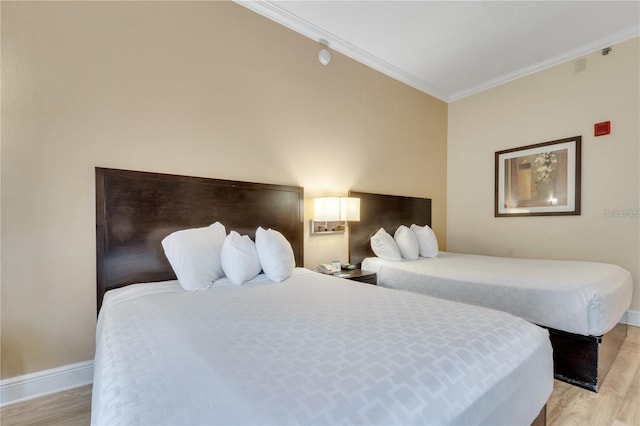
column 633, row 318
column 33, row 385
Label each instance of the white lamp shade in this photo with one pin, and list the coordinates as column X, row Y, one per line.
column 350, row 209
column 326, row 209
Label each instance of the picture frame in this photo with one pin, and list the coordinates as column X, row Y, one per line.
column 542, row 179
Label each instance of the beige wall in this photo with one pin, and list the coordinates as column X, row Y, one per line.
column 549, row 105
column 200, row 88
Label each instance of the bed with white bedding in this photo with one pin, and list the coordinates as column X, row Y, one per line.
column 312, row 349
column 586, row 298
column 299, row 349
column 581, row 303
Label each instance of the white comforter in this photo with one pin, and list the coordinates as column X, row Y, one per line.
column 586, row 298
column 312, row 350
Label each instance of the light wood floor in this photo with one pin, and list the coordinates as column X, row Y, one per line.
column 617, row 403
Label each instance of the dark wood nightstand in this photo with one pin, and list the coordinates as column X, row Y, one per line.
column 360, row 276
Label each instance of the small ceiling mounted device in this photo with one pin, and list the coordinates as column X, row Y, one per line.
column 324, row 56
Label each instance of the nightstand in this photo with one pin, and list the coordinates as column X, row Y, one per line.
column 361, row 276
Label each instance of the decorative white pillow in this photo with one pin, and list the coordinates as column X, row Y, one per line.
column 384, row 246
column 194, row 255
column 239, row 258
column 275, row 253
column 427, row 240
column 407, row 243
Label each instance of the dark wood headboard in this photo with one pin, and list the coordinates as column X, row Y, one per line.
column 383, row 211
column 136, row 210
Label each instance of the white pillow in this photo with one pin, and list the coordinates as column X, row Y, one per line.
column 275, row 254
column 427, row 240
column 407, row 243
column 239, row 258
column 384, row 246
column 194, row 255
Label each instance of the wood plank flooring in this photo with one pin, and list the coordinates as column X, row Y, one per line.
column 617, row 403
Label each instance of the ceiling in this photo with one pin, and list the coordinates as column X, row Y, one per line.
column 453, row 49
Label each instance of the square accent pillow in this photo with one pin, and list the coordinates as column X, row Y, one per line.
column 384, row 246
column 407, row 243
column 427, row 240
column 275, row 253
column 239, row 258
column 194, row 255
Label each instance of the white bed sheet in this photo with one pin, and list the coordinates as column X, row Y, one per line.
column 313, row 349
column 587, row 298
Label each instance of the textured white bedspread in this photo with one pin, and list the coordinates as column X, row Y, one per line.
column 312, row 350
column 586, row 298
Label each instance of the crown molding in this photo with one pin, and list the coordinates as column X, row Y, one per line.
column 571, row 55
column 307, row 29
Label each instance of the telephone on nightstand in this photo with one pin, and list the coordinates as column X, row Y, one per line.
column 327, row 268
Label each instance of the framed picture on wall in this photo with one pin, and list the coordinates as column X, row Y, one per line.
column 539, row 180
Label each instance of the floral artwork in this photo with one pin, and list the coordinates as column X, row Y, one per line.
column 539, row 179
column 545, row 166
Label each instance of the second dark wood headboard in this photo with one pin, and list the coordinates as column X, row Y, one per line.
column 383, row 211
column 136, row 210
